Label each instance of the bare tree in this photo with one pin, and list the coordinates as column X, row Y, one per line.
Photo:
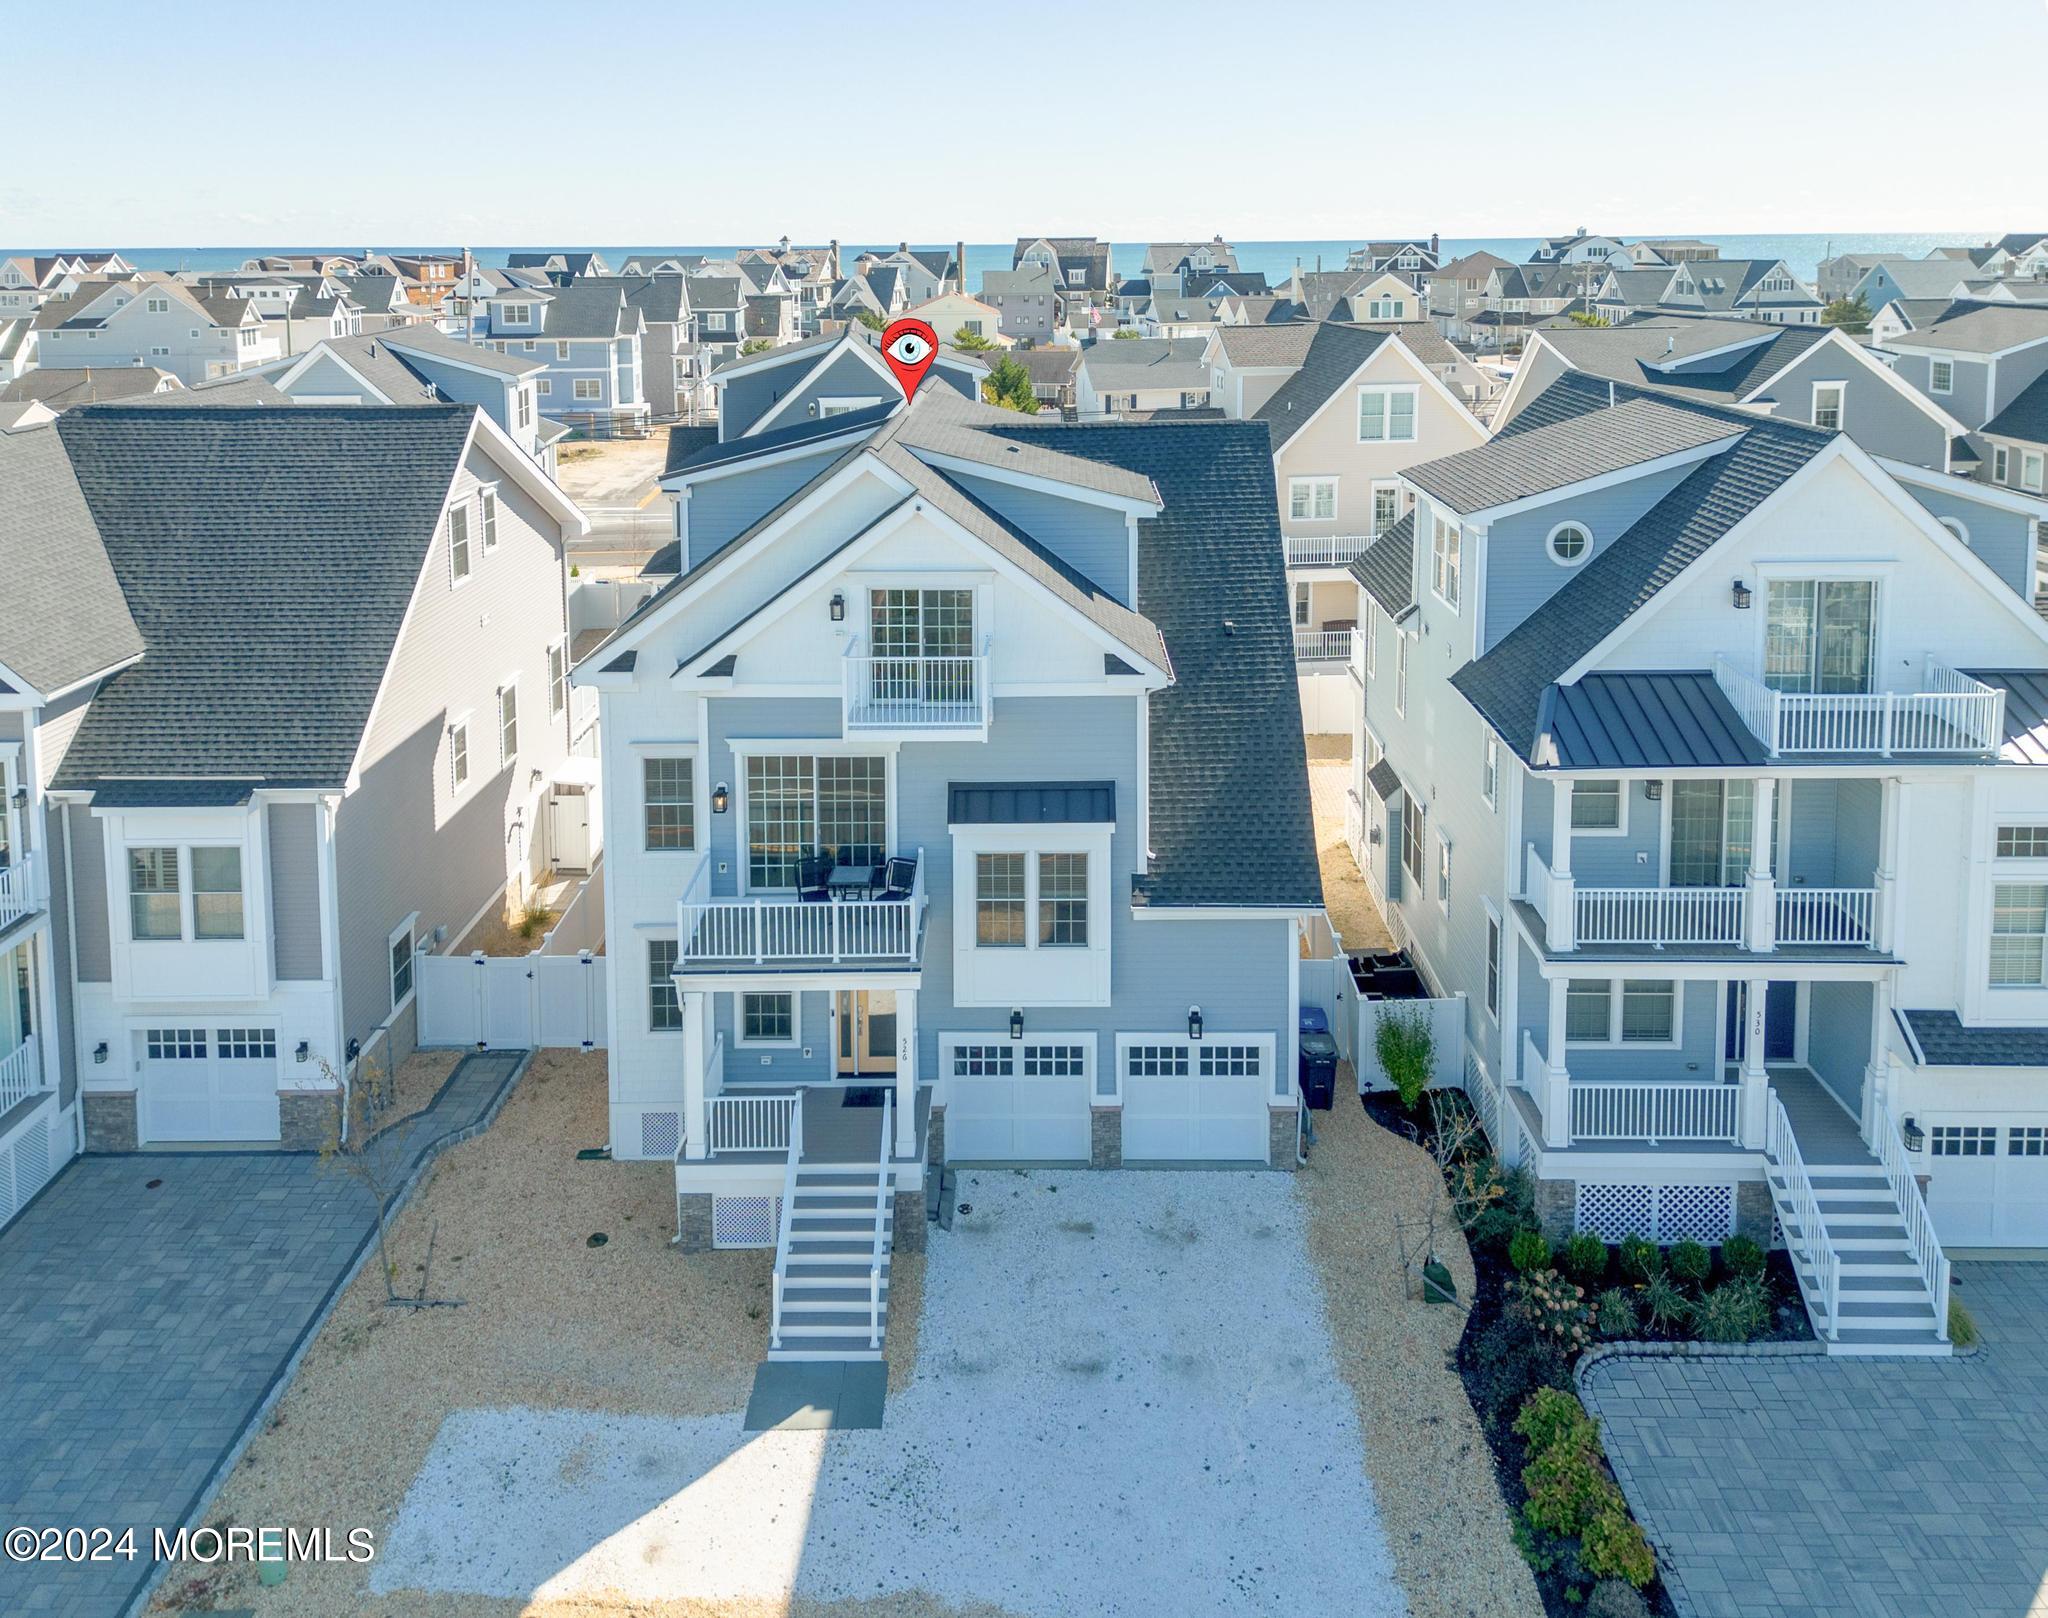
column 373, row 1152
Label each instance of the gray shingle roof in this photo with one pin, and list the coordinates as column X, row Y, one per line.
column 1979, row 328
column 1147, row 362
column 689, row 451
column 66, row 617
column 1946, row 1042
column 430, row 341
column 1333, row 358
column 1384, row 780
column 268, row 557
column 61, row 387
column 1387, row 568
column 946, row 424
column 1508, row 685
column 2027, row 416
column 1275, row 345
column 1526, row 460
column 1633, row 353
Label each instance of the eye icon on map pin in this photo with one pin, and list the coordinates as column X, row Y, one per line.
column 909, row 346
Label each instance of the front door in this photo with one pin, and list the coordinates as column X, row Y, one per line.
column 1781, row 1022
column 866, row 1038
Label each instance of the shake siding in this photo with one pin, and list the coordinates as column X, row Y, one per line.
column 2004, row 539
column 1874, row 413
column 725, row 506
column 293, row 837
column 1838, row 1037
column 89, row 870
column 1093, row 539
column 1520, row 576
column 405, row 842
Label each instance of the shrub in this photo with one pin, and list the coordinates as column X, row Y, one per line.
column 1638, row 1259
column 1552, row 1307
column 1962, row 1327
column 1612, row 1547
column 1666, row 1306
column 1611, row 1598
column 1510, row 1363
column 1406, row 1047
column 1567, row 1491
column 1691, row 1262
column 1614, row 1313
column 1513, row 1210
column 1552, row 1418
column 1528, row 1251
column 1584, row 1259
column 1735, row 1311
column 1475, row 1189
column 1741, row 1256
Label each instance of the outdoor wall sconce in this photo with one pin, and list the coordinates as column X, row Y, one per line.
column 355, row 1048
column 1194, row 1022
column 21, row 797
column 721, row 796
column 1017, row 1025
column 1741, row 595
column 1913, row 1135
column 304, row 1052
column 838, row 608
column 99, row 1053
column 1653, row 790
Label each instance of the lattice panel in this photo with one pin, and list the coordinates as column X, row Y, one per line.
column 660, row 1133
column 1699, row 1213
column 745, row 1221
column 1616, row 1212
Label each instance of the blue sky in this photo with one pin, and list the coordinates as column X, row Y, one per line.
column 619, row 123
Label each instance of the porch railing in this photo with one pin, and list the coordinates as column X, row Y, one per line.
column 915, row 693
column 1655, row 1112
column 1325, row 550
column 884, row 1188
column 1659, row 915
column 18, row 893
column 21, row 1073
column 744, row 1123
column 1826, row 915
column 780, row 1279
column 1952, row 713
column 1814, row 1258
column 1921, row 1241
column 1322, row 645
column 781, row 927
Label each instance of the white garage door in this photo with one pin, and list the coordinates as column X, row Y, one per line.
column 209, row 1084
column 1988, row 1180
column 1196, row 1100
column 1018, row 1101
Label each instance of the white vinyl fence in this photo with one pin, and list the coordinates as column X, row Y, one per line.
column 512, row 1002
column 1446, row 1022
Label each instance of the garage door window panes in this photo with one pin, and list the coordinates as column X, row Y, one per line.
column 983, row 1062
column 1157, row 1062
column 1055, row 1061
column 2019, row 929
column 217, row 892
column 176, row 1044
column 246, row 1044
column 2023, row 842
column 153, row 906
column 1964, row 1140
column 2026, row 1140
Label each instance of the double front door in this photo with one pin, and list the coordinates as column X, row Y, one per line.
column 864, row 1031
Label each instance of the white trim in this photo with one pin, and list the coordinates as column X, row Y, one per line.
column 740, row 1040
column 1310, row 482
column 1620, row 827
column 1349, row 386
column 681, row 482
column 827, row 355
column 1841, row 393
column 1128, row 504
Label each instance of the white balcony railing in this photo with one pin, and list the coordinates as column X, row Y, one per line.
column 780, row 927
column 1827, row 916
column 1952, row 713
column 1323, row 645
column 1655, row 1112
column 19, row 895
column 21, row 1073
column 1658, row 915
column 1326, row 550
column 915, row 693
column 748, row 1123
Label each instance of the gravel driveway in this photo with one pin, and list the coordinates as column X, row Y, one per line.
column 1125, row 1402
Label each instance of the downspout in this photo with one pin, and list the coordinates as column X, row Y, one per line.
column 71, row 953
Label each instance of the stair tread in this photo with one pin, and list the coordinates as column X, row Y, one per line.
column 829, row 1318
column 827, row 1348
column 1866, row 1313
column 1885, row 1334
column 829, row 1293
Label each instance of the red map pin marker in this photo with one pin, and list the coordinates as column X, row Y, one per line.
column 910, row 346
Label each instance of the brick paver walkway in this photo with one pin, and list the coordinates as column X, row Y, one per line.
column 1846, row 1488
column 141, row 1330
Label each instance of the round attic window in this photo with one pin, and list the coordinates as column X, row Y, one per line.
column 1570, row 544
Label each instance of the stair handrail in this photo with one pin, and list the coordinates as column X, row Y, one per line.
column 1921, row 1241
column 882, row 1190
column 780, row 1279
column 1781, row 1146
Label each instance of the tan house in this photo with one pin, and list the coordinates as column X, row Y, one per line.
column 950, row 312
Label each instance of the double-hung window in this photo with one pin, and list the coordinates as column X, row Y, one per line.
column 1596, row 806
column 1941, row 376
column 1412, row 817
column 1386, row 309
column 156, row 885
column 1827, row 405
column 489, row 506
column 999, row 901
column 1386, row 415
column 458, row 755
column 1492, row 962
column 2030, row 470
column 2001, row 464
column 558, row 678
column 588, row 387
column 401, row 945
column 1445, row 561
column 1062, row 901
column 1443, row 870
column 458, row 543
column 768, row 1019
column 1400, row 673
column 508, row 723
column 155, row 910
column 671, row 810
column 216, row 893
column 1636, row 1011
column 1489, row 773
column 1311, row 499
column 664, row 1009
column 2019, row 935
column 1820, row 634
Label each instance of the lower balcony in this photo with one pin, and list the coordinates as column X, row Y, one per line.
column 21, row 1074
column 869, row 915
column 1325, row 550
column 1323, row 645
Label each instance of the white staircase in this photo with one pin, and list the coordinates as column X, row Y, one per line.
column 1874, row 1278
column 832, row 1254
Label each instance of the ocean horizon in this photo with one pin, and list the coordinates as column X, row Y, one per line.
column 1802, row 253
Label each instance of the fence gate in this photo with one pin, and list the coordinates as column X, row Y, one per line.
column 520, row 1002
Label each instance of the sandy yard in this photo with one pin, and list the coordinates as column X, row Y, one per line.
column 611, row 471
column 1350, row 903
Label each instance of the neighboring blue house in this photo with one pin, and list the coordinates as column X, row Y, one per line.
column 832, row 375
column 589, row 338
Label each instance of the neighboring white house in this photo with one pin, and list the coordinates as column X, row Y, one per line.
column 153, row 321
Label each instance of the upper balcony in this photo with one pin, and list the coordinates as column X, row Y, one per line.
column 869, row 916
column 1324, row 645
column 1325, row 550
column 1949, row 714
column 925, row 698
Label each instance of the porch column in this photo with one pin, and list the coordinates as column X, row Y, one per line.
column 1877, row 1073
column 1557, row 1079
column 696, row 1116
column 1891, row 813
column 906, row 1072
column 1760, row 922
column 1756, row 1083
column 1560, row 921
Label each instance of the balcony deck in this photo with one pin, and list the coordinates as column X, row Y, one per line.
column 780, row 932
column 1733, row 954
column 1827, row 1131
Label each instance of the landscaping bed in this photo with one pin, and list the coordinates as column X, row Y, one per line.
column 1533, row 1310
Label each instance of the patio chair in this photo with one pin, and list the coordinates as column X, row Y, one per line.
column 812, row 872
column 897, row 879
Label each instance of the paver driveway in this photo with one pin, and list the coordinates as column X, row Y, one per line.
column 142, row 1326
column 1124, row 1405
column 1839, row 1488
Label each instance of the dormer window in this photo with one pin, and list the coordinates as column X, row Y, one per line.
column 518, row 314
column 1570, row 543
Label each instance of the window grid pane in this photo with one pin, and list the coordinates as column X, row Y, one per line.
column 671, row 805
column 768, row 1017
column 153, row 893
column 781, row 823
column 1596, row 805
column 852, row 808
column 999, row 901
column 217, row 892
column 1588, row 1005
column 2023, row 842
column 664, row 1008
column 1063, row 900
column 1649, row 1011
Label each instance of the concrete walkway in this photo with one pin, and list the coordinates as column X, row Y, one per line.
column 151, row 1305
column 1846, row 1488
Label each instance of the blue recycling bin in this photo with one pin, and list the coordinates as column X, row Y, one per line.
column 1314, row 1020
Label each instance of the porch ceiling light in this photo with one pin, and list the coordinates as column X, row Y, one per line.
column 1017, row 1024
column 1194, row 1022
column 721, row 796
column 1740, row 593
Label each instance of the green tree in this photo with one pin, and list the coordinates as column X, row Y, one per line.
column 869, row 319
column 1009, row 385
column 755, row 345
column 972, row 341
column 1123, row 332
column 1586, row 317
column 1851, row 314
